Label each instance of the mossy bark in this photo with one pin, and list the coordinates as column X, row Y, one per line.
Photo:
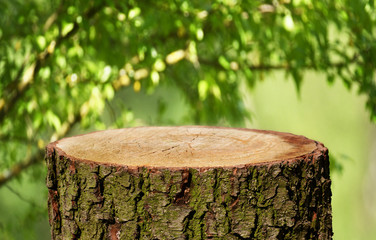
column 280, row 200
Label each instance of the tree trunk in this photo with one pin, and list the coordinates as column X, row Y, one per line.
column 188, row 183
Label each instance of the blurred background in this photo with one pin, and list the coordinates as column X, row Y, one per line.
column 71, row 67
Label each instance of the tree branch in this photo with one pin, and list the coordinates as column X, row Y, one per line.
column 54, row 16
column 22, row 198
column 37, row 157
column 9, row 137
column 17, row 168
column 16, row 89
column 286, row 66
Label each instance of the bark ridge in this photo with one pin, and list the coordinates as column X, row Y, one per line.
column 288, row 200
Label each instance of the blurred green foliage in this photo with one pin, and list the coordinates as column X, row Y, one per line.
column 72, row 66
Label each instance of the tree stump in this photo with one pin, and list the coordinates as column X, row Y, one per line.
column 188, row 183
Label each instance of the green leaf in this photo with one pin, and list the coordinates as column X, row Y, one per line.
column 224, row 63
column 41, row 42
column 203, row 88
column 67, row 27
column 109, row 92
column 53, row 120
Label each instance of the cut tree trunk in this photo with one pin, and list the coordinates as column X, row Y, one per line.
column 188, row 183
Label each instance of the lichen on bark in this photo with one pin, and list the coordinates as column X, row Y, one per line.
column 279, row 200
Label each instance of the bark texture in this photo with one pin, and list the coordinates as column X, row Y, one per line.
column 288, row 199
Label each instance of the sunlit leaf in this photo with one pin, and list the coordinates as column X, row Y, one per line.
column 216, row 91
column 203, row 88
column 155, row 77
column 199, row 34
column 67, row 27
column 137, row 86
column 41, row 42
column 134, row 13
column 224, row 63
column 288, row 22
column 53, row 119
column 141, row 73
column 109, row 92
column 175, row 56
column 159, row 65
column 106, row 74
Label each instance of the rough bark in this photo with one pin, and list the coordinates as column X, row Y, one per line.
column 285, row 199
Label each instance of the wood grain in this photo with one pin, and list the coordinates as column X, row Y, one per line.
column 189, row 182
column 188, row 146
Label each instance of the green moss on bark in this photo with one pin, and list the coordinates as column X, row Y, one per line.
column 285, row 200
